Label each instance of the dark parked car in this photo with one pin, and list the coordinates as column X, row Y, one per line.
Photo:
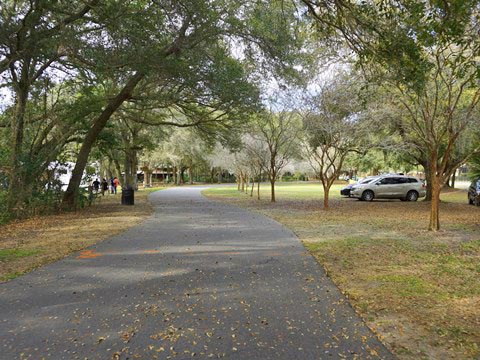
column 347, row 189
column 474, row 193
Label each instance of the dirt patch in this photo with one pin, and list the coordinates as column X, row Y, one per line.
column 418, row 290
column 45, row 239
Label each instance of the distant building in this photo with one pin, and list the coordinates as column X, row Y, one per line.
column 158, row 174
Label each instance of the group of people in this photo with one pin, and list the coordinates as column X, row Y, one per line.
column 105, row 186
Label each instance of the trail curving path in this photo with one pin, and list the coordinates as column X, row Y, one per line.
column 199, row 279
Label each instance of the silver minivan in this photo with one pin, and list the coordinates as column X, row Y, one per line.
column 405, row 188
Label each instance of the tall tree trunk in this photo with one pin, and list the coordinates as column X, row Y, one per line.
column 182, row 175
column 326, row 193
column 127, row 169
column 109, row 169
column 190, row 175
column 428, row 179
column 273, row 175
column 71, row 194
column 134, row 171
column 146, row 178
column 434, row 224
column 253, row 186
column 212, row 174
column 272, row 189
column 242, row 182
column 238, row 182
column 118, row 169
column 258, row 189
column 130, row 168
column 453, row 178
column 175, row 175
column 16, row 180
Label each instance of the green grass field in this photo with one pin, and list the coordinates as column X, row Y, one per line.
column 285, row 190
column 311, row 191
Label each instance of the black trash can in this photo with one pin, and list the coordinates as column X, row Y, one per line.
column 128, row 197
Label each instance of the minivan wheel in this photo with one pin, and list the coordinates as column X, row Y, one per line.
column 477, row 201
column 412, row 195
column 470, row 201
column 368, row 195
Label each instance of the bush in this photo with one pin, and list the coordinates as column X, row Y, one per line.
column 4, row 215
column 300, row 176
column 38, row 202
column 84, row 198
column 43, row 202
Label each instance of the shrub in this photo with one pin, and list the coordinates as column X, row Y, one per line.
column 4, row 215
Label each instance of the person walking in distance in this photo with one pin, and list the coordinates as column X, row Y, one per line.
column 115, row 184
column 104, row 186
column 96, row 186
column 112, row 191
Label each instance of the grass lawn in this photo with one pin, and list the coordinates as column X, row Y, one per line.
column 28, row 244
column 418, row 290
column 299, row 191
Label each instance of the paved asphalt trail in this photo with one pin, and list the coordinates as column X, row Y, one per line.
column 199, row 279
